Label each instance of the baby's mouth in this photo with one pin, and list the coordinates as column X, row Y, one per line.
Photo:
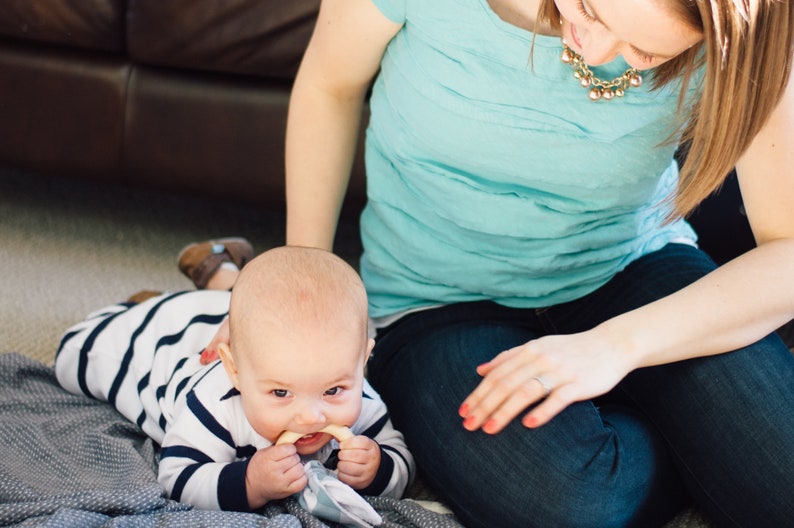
column 309, row 438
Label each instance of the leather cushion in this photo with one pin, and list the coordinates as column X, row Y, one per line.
column 255, row 37
column 92, row 24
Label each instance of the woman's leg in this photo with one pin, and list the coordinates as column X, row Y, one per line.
column 588, row 467
column 728, row 419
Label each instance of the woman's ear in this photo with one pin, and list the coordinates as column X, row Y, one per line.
column 228, row 363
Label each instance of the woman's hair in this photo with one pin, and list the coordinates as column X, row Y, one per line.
column 747, row 53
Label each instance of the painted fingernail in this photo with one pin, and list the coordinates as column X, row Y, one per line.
column 206, row 355
column 464, row 410
column 530, row 421
column 490, row 426
column 469, row 422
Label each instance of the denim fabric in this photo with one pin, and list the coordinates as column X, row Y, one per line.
column 717, row 430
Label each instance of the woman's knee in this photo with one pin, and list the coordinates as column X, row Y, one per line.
column 558, row 500
column 576, row 471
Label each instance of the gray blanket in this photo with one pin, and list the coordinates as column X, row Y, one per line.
column 70, row 461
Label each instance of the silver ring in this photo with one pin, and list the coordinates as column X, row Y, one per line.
column 545, row 384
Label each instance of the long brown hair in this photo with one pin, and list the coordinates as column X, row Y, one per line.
column 747, row 53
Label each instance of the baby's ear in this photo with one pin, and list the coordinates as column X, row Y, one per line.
column 228, row 363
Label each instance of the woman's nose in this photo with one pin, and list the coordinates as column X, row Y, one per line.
column 600, row 47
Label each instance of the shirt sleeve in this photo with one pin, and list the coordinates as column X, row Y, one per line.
column 199, row 462
column 394, row 10
column 397, row 467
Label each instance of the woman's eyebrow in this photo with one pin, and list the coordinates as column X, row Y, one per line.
column 593, row 13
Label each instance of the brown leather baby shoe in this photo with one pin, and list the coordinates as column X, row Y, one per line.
column 200, row 260
column 143, row 295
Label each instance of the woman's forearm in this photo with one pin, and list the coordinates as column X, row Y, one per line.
column 322, row 134
column 342, row 58
column 734, row 306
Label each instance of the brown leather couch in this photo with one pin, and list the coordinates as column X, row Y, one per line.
column 182, row 95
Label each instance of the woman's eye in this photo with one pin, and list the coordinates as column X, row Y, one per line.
column 280, row 393
column 334, row 391
column 645, row 57
column 587, row 16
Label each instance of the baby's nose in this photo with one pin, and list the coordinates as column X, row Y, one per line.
column 310, row 414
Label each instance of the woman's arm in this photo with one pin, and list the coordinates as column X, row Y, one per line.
column 325, row 115
column 752, row 295
column 745, row 300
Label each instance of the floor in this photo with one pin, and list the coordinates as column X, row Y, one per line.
column 68, row 247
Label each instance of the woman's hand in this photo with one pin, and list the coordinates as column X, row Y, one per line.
column 210, row 353
column 561, row 368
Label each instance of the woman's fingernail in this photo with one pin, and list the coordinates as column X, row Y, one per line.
column 469, row 422
column 530, row 421
column 207, row 355
column 464, row 410
column 490, row 426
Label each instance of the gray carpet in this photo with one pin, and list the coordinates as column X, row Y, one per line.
column 68, row 247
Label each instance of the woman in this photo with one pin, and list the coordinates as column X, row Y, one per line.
column 528, row 268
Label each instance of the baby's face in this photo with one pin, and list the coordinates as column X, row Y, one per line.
column 302, row 384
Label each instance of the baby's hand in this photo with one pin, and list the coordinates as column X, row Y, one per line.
column 273, row 473
column 359, row 460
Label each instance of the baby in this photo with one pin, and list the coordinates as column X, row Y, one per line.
column 294, row 367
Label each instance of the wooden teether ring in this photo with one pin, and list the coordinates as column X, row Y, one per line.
column 340, row 432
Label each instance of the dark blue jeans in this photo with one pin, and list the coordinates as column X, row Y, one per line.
column 715, row 431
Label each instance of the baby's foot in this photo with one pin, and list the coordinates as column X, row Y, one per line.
column 200, row 261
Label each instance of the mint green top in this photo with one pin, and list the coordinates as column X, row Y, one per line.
column 491, row 176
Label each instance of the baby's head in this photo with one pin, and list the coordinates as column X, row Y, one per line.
column 298, row 344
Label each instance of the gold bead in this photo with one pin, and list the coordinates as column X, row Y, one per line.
column 585, row 82
column 594, row 94
column 566, row 56
column 608, row 95
column 635, row 80
column 619, row 92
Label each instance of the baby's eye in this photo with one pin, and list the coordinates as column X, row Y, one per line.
column 280, row 393
column 334, row 391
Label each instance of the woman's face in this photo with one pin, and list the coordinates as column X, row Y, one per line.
column 645, row 32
